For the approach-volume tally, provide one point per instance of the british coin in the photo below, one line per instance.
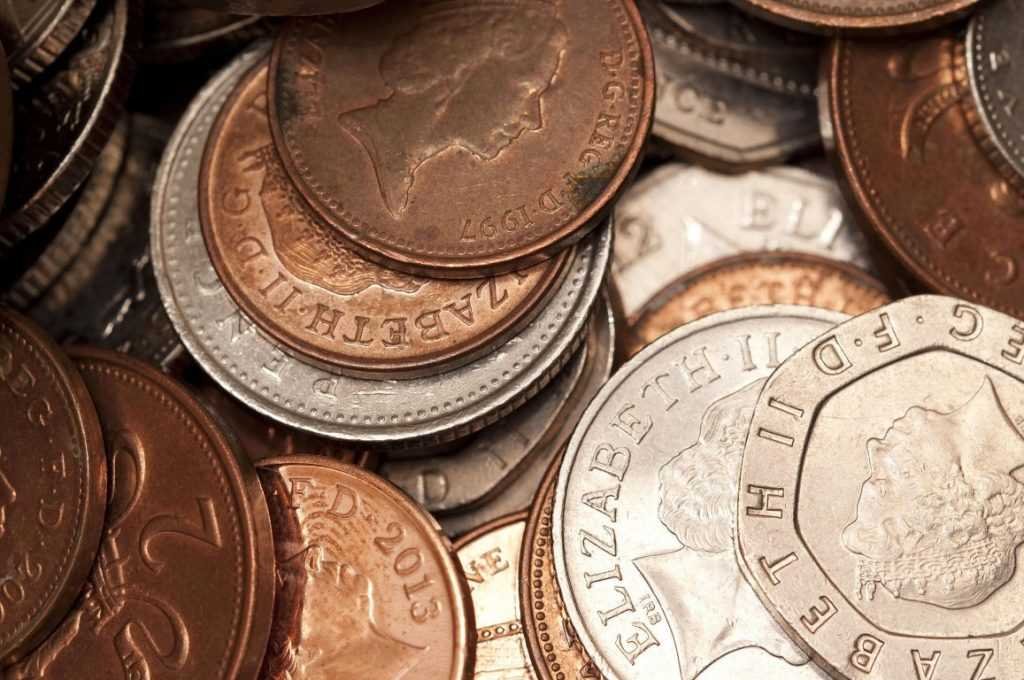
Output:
(36, 32)
(259, 373)
(994, 45)
(884, 16)
(490, 560)
(6, 125)
(367, 586)
(64, 118)
(679, 218)
(778, 278)
(900, 132)
(282, 7)
(460, 163)
(183, 586)
(670, 426)
(300, 282)
(880, 505)
(53, 485)
(175, 32)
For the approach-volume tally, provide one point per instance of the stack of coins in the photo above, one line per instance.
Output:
(520, 339)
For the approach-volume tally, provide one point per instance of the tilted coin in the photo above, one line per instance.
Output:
(175, 32)
(64, 118)
(6, 125)
(53, 485)
(462, 162)
(679, 218)
(36, 32)
(885, 16)
(256, 371)
(880, 513)
(300, 282)
(778, 278)
(183, 586)
(282, 7)
(899, 133)
(366, 584)
(644, 506)
(490, 560)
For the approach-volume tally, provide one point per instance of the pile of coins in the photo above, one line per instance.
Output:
(520, 339)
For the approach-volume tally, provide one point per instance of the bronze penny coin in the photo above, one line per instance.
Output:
(36, 32)
(829, 16)
(282, 7)
(183, 586)
(6, 125)
(53, 485)
(775, 278)
(456, 138)
(64, 118)
(298, 279)
(915, 174)
(366, 584)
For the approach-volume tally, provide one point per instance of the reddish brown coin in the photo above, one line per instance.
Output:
(367, 586)
(282, 7)
(296, 277)
(183, 586)
(456, 138)
(858, 15)
(53, 485)
(915, 173)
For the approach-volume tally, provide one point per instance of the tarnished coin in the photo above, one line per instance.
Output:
(490, 559)
(64, 118)
(175, 32)
(779, 278)
(282, 7)
(53, 485)
(257, 372)
(680, 218)
(36, 32)
(6, 125)
(457, 162)
(899, 133)
(183, 586)
(880, 513)
(644, 506)
(301, 283)
(828, 16)
(366, 584)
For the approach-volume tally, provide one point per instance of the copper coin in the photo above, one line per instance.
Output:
(6, 125)
(183, 587)
(776, 278)
(366, 585)
(459, 138)
(828, 16)
(36, 32)
(915, 173)
(296, 277)
(282, 7)
(64, 119)
(53, 485)
(174, 32)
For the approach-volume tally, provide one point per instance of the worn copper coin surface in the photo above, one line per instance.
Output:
(829, 16)
(173, 31)
(53, 485)
(299, 280)
(64, 118)
(282, 7)
(900, 134)
(778, 278)
(366, 585)
(881, 504)
(456, 138)
(183, 586)
(36, 32)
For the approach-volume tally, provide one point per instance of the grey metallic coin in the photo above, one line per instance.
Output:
(881, 505)
(645, 506)
(995, 57)
(680, 217)
(260, 374)
(35, 32)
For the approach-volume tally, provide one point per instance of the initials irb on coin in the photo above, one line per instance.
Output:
(881, 510)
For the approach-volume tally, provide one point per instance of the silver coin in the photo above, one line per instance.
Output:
(260, 374)
(645, 505)
(679, 218)
(995, 56)
(881, 513)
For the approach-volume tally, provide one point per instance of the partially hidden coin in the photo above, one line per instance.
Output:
(64, 118)
(462, 162)
(281, 7)
(36, 32)
(301, 283)
(879, 16)
(367, 586)
(174, 32)
(53, 485)
(490, 561)
(679, 218)
(183, 586)
(880, 497)
(300, 394)
(6, 125)
(647, 494)
(777, 278)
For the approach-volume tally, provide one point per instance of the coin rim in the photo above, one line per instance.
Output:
(814, 21)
